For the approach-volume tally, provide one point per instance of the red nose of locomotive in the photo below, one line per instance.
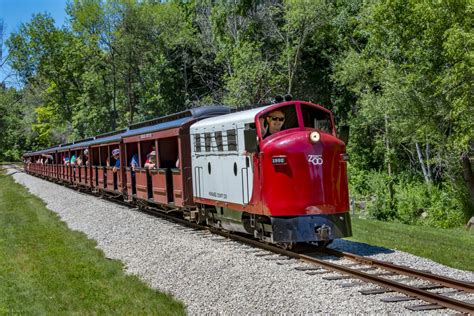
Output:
(304, 175)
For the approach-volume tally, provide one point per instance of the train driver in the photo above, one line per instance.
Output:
(272, 123)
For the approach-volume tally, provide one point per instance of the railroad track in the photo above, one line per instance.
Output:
(306, 254)
(310, 253)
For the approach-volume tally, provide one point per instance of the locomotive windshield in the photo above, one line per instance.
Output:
(279, 119)
(316, 118)
(285, 117)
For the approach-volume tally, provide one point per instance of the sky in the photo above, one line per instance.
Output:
(16, 12)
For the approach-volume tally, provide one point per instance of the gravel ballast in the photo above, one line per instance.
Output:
(213, 275)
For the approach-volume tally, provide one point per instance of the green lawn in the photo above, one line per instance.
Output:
(451, 247)
(47, 269)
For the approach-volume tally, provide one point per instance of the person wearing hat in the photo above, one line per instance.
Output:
(116, 156)
(150, 160)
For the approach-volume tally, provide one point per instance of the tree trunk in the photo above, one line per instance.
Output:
(389, 163)
(422, 163)
(427, 161)
(468, 175)
(387, 147)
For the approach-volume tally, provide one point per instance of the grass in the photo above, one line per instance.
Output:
(451, 247)
(45, 268)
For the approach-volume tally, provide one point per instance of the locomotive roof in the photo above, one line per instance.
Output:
(176, 120)
(243, 116)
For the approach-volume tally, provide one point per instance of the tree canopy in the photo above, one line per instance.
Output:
(398, 72)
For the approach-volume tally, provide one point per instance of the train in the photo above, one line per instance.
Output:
(277, 172)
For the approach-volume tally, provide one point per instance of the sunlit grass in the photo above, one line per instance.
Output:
(45, 268)
(451, 247)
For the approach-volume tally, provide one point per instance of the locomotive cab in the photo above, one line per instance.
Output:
(303, 174)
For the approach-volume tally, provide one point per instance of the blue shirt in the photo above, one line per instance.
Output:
(134, 161)
(117, 163)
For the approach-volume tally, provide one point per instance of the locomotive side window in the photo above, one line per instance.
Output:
(207, 141)
(220, 145)
(231, 140)
(316, 118)
(197, 143)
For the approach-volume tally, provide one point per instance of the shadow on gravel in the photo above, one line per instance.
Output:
(358, 248)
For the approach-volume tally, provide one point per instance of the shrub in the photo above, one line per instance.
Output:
(380, 205)
(447, 209)
(412, 198)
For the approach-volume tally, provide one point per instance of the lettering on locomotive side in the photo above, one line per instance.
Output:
(316, 160)
(218, 195)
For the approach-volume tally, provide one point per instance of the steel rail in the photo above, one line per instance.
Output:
(415, 292)
(467, 287)
(418, 293)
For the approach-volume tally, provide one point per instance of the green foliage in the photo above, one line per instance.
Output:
(446, 209)
(413, 201)
(398, 72)
(378, 203)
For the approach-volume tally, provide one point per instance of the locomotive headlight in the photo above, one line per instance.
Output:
(314, 137)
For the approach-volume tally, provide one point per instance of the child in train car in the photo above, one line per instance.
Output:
(151, 160)
(66, 160)
(116, 156)
(72, 161)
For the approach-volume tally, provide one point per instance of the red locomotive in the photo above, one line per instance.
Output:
(277, 172)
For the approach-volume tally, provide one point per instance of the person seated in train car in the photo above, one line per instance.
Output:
(72, 161)
(272, 122)
(48, 159)
(85, 159)
(66, 160)
(134, 162)
(150, 162)
(116, 156)
(79, 160)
